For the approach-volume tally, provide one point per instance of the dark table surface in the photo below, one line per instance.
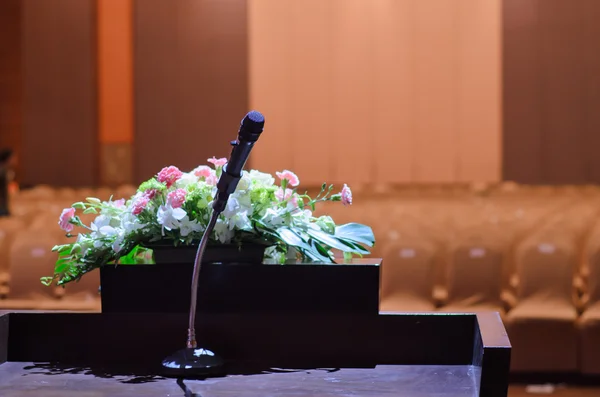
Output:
(19, 379)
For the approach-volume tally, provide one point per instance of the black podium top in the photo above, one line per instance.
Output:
(416, 354)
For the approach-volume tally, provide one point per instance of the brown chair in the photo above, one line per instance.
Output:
(408, 276)
(474, 278)
(541, 326)
(589, 322)
(30, 259)
(9, 227)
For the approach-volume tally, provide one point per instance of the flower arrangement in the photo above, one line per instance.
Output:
(175, 206)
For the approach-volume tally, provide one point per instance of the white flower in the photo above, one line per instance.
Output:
(118, 243)
(222, 232)
(244, 182)
(240, 221)
(130, 223)
(232, 207)
(84, 243)
(168, 217)
(302, 216)
(273, 217)
(186, 226)
(102, 228)
(186, 180)
(261, 179)
(244, 202)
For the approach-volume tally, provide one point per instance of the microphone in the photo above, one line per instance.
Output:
(193, 360)
(250, 129)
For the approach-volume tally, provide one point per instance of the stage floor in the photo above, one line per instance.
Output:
(18, 379)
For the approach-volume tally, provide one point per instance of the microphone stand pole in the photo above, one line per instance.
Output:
(192, 361)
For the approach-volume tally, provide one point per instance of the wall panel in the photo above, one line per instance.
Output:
(393, 91)
(59, 138)
(190, 71)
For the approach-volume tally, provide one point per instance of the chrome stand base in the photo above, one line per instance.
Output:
(192, 363)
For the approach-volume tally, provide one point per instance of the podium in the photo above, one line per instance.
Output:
(412, 354)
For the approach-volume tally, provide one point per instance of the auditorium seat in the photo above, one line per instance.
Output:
(589, 322)
(408, 277)
(541, 326)
(9, 227)
(30, 259)
(474, 277)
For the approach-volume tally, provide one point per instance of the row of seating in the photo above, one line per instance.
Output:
(531, 254)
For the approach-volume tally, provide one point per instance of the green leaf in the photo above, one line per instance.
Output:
(356, 248)
(47, 281)
(90, 210)
(328, 239)
(61, 265)
(76, 248)
(291, 237)
(356, 232)
(321, 251)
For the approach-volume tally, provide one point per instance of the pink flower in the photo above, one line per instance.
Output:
(218, 162)
(203, 171)
(346, 195)
(212, 180)
(65, 219)
(176, 198)
(140, 204)
(288, 195)
(150, 193)
(169, 175)
(119, 203)
(290, 176)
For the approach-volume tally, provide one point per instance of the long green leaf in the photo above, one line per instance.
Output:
(329, 240)
(356, 232)
(355, 247)
(290, 237)
(321, 251)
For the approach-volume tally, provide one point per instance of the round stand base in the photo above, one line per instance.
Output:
(192, 363)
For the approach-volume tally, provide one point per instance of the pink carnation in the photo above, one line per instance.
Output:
(346, 195)
(290, 176)
(150, 193)
(176, 198)
(65, 219)
(169, 175)
(203, 171)
(218, 162)
(212, 180)
(140, 204)
(287, 196)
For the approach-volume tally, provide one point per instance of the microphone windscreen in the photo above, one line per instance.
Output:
(256, 116)
(252, 125)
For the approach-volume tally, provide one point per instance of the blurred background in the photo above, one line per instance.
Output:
(468, 130)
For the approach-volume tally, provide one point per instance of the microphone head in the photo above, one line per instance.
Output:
(252, 126)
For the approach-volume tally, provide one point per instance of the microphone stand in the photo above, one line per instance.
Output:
(193, 361)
